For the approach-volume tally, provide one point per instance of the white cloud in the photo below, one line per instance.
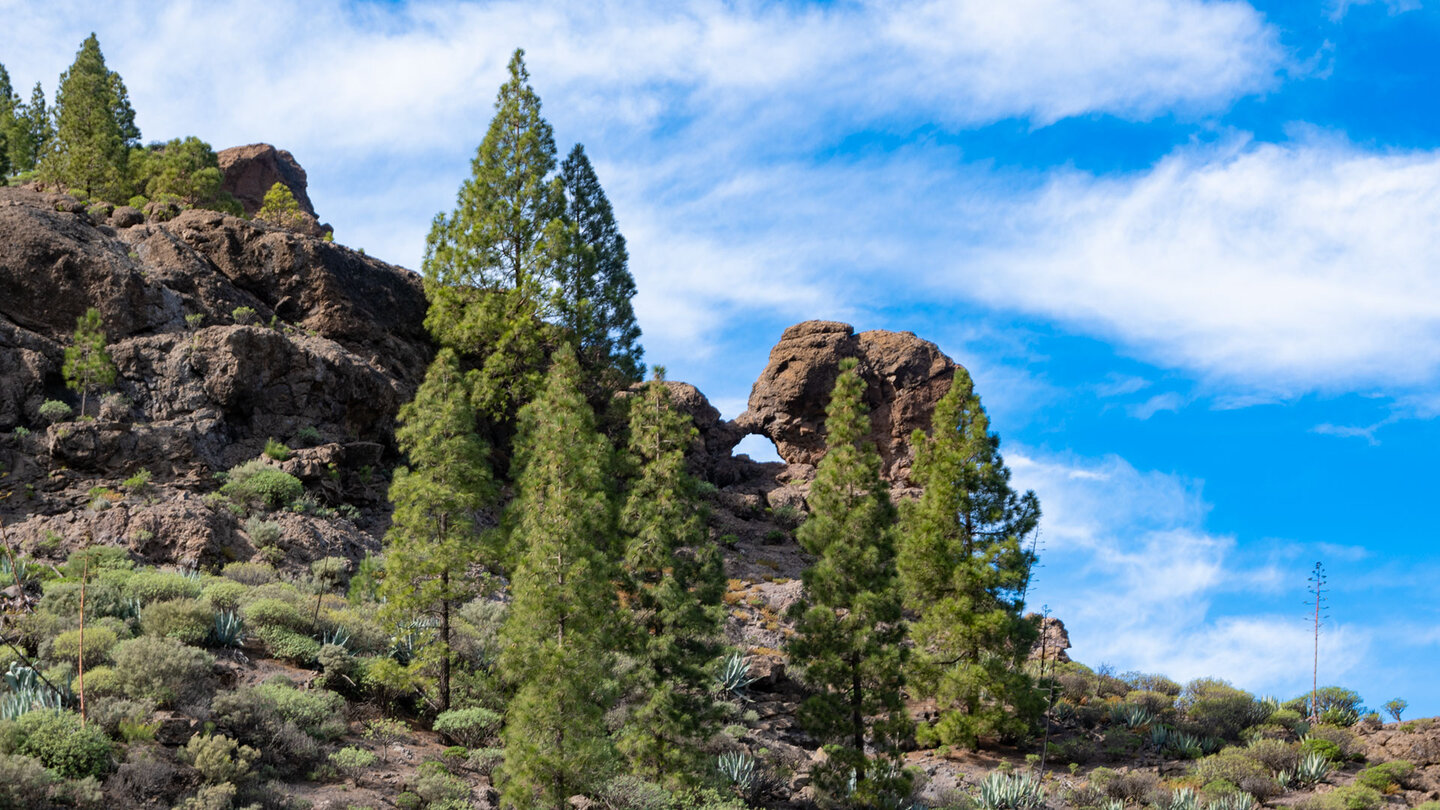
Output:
(1278, 268)
(1141, 584)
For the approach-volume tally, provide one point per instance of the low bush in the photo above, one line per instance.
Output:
(186, 620)
(439, 788)
(470, 727)
(319, 713)
(249, 573)
(95, 560)
(254, 718)
(1350, 797)
(53, 410)
(24, 782)
(276, 613)
(276, 450)
(1235, 766)
(1339, 744)
(108, 712)
(263, 532)
(1131, 787)
(57, 739)
(1276, 755)
(99, 641)
(256, 484)
(218, 758)
(288, 645)
(1386, 777)
(1214, 708)
(162, 669)
(158, 586)
(100, 681)
(223, 594)
(63, 599)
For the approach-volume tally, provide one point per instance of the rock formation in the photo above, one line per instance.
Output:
(905, 377)
(250, 171)
(224, 333)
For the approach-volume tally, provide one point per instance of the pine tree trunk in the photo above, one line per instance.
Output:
(445, 640)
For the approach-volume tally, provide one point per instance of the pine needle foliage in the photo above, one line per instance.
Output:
(965, 569)
(88, 366)
(489, 264)
(557, 635)
(593, 285)
(94, 129)
(850, 632)
(674, 582)
(434, 540)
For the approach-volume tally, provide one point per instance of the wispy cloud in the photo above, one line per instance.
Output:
(1280, 269)
(1142, 584)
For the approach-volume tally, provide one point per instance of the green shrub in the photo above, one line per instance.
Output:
(24, 782)
(57, 739)
(1214, 708)
(63, 599)
(212, 797)
(223, 594)
(263, 532)
(1289, 718)
(108, 712)
(98, 643)
(254, 718)
(138, 482)
(1344, 741)
(99, 682)
(157, 586)
(257, 484)
(330, 572)
(162, 669)
(218, 758)
(1349, 797)
(470, 727)
(271, 612)
(1235, 766)
(276, 450)
(1156, 703)
(187, 620)
(352, 760)
(319, 713)
(53, 410)
(288, 645)
(1276, 755)
(1324, 748)
(628, 792)
(485, 760)
(441, 789)
(249, 573)
(1386, 777)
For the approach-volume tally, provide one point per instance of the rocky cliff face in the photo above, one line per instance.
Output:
(252, 170)
(224, 332)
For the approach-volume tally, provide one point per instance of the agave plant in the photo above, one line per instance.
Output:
(734, 676)
(340, 637)
(26, 692)
(1184, 799)
(1233, 801)
(1185, 745)
(1131, 716)
(1014, 791)
(1312, 769)
(738, 769)
(229, 629)
(412, 637)
(1160, 736)
(11, 572)
(1112, 804)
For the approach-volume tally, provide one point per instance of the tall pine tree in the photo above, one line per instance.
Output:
(850, 632)
(94, 129)
(434, 541)
(593, 284)
(674, 582)
(9, 103)
(33, 132)
(489, 265)
(965, 567)
(556, 637)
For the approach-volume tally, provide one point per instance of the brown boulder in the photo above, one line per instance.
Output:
(905, 377)
(251, 170)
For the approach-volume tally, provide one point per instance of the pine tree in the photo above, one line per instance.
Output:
(434, 541)
(555, 638)
(88, 366)
(34, 132)
(849, 629)
(674, 582)
(281, 208)
(593, 283)
(188, 171)
(964, 568)
(490, 263)
(94, 129)
(9, 103)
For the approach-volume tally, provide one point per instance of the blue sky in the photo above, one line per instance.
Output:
(1188, 249)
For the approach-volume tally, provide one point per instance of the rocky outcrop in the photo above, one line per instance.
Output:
(250, 171)
(1053, 641)
(905, 377)
(224, 333)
